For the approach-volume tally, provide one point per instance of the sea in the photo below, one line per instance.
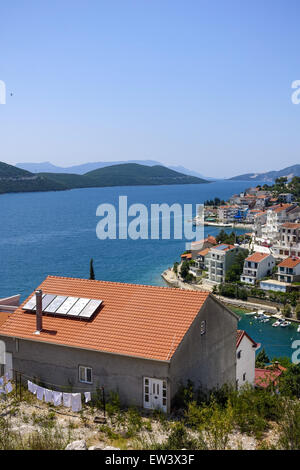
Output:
(54, 233)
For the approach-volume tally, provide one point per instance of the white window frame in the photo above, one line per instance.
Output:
(203, 327)
(85, 369)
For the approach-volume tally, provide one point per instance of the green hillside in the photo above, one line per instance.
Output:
(133, 174)
(14, 179)
(10, 171)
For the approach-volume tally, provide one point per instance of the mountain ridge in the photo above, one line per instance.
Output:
(269, 176)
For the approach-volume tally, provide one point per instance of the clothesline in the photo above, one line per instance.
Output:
(69, 400)
(5, 384)
(77, 389)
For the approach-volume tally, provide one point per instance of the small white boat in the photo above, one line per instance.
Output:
(250, 313)
(284, 324)
(277, 323)
(298, 329)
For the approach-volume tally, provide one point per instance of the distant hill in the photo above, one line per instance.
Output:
(48, 167)
(14, 179)
(269, 176)
(126, 174)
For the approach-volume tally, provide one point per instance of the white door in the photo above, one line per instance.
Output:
(8, 368)
(155, 394)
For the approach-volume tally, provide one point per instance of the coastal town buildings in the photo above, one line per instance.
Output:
(288, 243)
(257, 266)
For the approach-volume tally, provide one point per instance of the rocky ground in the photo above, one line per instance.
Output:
(80, 431)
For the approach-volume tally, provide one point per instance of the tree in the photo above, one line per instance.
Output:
(261, 359)
(184, 270)
(175, 267)
(92, 273)
(287, 311)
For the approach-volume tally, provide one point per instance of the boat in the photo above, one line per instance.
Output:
(298, 329)
(277, 323)
(250, 313)
(284, 324)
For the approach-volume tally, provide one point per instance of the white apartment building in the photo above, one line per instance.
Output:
(218, 261)
(289, 270)
(257, 266)
(289, 240)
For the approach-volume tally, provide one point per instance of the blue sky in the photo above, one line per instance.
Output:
(204, 84)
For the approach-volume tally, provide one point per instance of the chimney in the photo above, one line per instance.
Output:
(39, 311)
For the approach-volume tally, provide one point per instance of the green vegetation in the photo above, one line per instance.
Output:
(234, 272)
(262, 359)
(215, 202)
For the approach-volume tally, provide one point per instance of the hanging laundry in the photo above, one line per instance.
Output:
(8, 387)
(87, 396)
(29, 386)
(40, 392)
(34, 388)
(48, 396)
(1, 381)
(57, 398)
(67, 399)
(76, 402)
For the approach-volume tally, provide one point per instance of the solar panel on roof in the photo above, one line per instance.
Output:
(30, 305)
(67, 305)
(55, 304)
(90, 309)
(78, 307)
(221, 247)
(47, 299)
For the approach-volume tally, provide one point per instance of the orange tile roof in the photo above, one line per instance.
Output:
(135, 320)
(280, 207)
(186, 255)
(265, 377)
(290, 262)
(257, 257)
(203, 252)
(290, 225)
(3, 317)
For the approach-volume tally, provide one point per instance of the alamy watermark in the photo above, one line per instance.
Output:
(160, 221)
(2, 92)
(296, 94)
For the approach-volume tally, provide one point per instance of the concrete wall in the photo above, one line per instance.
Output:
(59, 365)
(208, 360)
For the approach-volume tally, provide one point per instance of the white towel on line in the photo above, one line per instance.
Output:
(29, 385)
(76, 402)
(48, 396)
(87, 396)
(67, 399)
(40, 392)
(33, 388)
(57, 397)
(1, 381)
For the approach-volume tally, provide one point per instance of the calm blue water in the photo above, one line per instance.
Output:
(55, 233)
(276, 341)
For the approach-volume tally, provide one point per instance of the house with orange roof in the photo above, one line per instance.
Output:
(256, 267)
(141, 341)
(246, 349)
(269, 377)
(289, 270)
(8, 305)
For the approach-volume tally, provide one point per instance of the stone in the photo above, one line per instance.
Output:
(97, 447)
(77, 445)
(111, 448)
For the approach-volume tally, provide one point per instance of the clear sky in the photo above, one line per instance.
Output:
(203, 84)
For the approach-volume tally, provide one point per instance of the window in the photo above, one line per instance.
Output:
(239, 354)
(203, 327)
(85, 374)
